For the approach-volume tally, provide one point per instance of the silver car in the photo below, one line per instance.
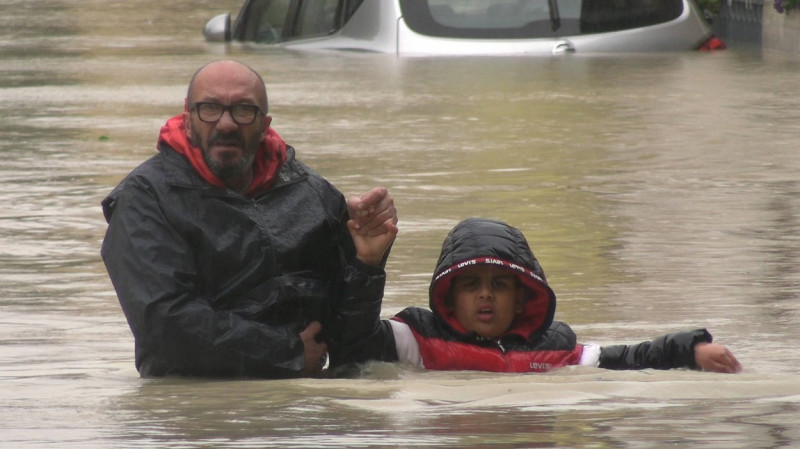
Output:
(468, 27)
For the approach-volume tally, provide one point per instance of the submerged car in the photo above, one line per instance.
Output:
(468, 27)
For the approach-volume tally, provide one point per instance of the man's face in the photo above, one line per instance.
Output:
(228, 147)
(486, 299)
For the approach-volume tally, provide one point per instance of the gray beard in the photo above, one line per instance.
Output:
(229, 173)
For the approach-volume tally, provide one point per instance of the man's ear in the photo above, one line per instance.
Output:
(187, 124)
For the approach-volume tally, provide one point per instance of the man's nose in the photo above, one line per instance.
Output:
(226, 121)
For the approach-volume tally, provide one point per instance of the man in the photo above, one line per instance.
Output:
(229, 256)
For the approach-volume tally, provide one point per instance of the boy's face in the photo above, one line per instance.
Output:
(486, 299)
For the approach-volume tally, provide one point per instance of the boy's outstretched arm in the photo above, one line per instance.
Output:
(692, 349)
(716, 358)
(371, 247)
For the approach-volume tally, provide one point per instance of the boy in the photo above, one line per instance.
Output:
(492, 310)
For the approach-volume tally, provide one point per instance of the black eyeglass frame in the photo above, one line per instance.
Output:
(231, 109)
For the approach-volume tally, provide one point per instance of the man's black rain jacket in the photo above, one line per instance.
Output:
(214, 283)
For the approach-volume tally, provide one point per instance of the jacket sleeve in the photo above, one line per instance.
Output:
(666, 352)
(362, 335)
(160, 290)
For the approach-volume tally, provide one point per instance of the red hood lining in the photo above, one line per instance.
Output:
(537, 306)
(270, 156)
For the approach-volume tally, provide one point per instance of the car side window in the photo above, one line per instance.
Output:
(261, 21)
(533, 18)
(599, 16)
(316, 18)
(271, 21)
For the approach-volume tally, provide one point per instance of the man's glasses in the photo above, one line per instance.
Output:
(242, 114)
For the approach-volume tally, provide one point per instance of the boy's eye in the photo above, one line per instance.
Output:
(466, 282)
(470, 283)
(502, 283)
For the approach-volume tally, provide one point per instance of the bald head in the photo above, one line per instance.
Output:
(218, 76)
(229, 146)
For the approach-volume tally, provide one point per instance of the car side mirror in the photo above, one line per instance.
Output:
(218, 29)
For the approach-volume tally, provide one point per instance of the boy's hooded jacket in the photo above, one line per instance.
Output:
(535, 342)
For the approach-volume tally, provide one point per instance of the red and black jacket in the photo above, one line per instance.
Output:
(533, 343)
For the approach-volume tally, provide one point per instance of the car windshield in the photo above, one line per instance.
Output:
(533, 18)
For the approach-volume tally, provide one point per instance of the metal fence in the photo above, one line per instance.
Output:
(739, 22)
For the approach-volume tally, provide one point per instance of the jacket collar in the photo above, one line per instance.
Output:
(179, 172)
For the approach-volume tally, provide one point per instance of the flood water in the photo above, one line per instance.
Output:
(660, 192)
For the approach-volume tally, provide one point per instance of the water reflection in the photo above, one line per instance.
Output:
(574, 408)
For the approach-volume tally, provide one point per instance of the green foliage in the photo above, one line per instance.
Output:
(785, 5)
(709, 7)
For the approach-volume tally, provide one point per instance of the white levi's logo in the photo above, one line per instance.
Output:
(540, 366)
(516, 267)
(466, 263)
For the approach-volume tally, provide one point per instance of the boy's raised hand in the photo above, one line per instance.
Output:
(716, 358)
(370, 247)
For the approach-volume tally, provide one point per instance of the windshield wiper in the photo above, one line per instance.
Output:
(555, 18)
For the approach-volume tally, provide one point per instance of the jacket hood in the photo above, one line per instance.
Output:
(270, 156)
(483, 241)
